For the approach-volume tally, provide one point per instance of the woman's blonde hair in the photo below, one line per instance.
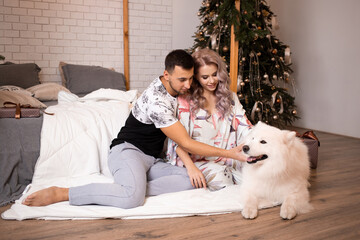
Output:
(223, 94)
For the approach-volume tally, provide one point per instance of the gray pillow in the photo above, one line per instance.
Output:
(83, 79)
(22, 75)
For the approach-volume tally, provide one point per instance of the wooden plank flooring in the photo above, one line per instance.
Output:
(335, 195)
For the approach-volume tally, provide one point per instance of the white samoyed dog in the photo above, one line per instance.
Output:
(278, 172)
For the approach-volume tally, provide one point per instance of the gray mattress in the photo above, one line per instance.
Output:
(19, 151)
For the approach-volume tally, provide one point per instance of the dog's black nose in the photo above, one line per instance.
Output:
(246, 148)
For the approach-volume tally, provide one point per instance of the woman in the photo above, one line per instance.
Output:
(211, 114)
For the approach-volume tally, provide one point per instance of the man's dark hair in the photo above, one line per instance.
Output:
(179, 58)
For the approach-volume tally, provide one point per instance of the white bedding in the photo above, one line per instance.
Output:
(74, 147)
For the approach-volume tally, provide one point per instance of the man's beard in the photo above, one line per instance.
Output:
(177, 92)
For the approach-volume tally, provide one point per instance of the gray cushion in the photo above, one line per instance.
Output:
(82, 79)
(22, 75)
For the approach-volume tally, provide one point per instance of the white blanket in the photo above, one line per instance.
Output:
(74, 148)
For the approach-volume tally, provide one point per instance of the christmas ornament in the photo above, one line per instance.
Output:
(265, 13)
(257, 108)
(225, 48)
(287, 56)
(294, 112)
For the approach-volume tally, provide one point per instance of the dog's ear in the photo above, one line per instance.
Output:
(289, 136)
(260, 123)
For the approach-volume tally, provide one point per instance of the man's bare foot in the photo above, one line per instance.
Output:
(47, 196)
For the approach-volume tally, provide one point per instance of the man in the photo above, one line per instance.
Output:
(134, 155)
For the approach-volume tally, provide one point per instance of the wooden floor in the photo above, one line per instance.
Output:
(335, 195)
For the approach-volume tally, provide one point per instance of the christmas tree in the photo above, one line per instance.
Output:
(264, 72)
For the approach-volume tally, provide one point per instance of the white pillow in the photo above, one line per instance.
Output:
(47, 91)
(12, 88)
(22, 99)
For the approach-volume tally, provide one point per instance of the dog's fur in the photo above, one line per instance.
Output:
(280, 173)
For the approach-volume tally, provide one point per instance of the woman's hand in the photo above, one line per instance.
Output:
(197, 178)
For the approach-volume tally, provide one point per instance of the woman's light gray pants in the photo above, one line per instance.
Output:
(135, 175)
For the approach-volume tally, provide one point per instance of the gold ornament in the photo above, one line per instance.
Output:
(240, 95)
(242, 84)
(294, 112)
(247, 80)
(275, 117)
(225, 48)
(274, 51)
(257, 109)
(258, 54)
(265, 13)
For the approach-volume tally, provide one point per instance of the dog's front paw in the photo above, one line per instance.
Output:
(287, 212)
(249, 212)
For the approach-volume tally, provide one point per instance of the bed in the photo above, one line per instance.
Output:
(20, 138)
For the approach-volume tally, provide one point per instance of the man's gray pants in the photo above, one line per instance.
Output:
(135, 175)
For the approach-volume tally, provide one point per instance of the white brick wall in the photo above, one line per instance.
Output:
(87, 32)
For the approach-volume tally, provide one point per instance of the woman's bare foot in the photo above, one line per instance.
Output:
(47, 196)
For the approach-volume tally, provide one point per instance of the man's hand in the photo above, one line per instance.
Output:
(237, 153)
(196, 177)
